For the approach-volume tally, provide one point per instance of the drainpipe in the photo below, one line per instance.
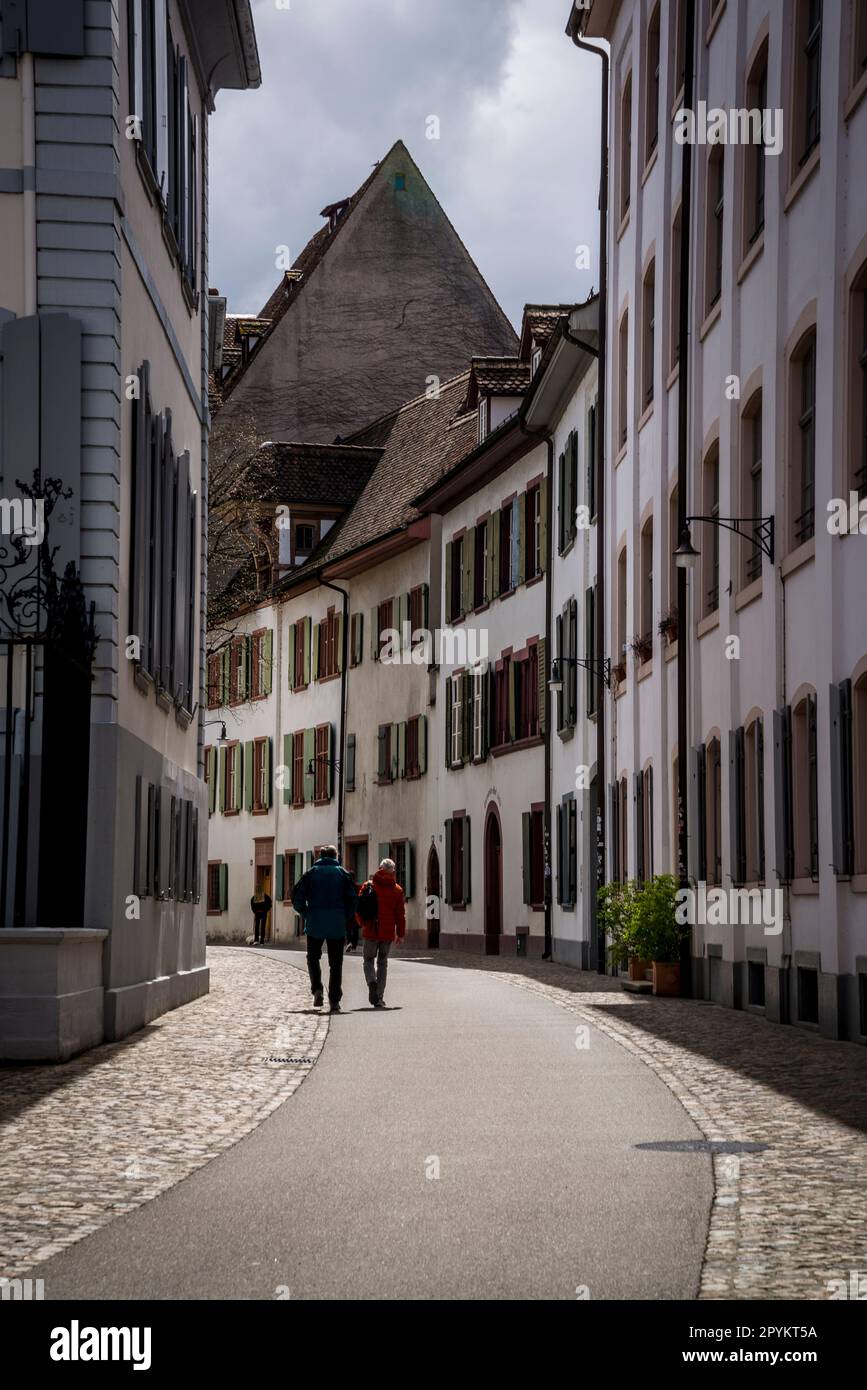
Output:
(598, 948)
(682, 486)
(341, 744)
(28, 162)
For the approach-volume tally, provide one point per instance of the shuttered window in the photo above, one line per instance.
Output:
(457, 861)
(533, 841)
(350, 763)
(783, 794)
(842, 770)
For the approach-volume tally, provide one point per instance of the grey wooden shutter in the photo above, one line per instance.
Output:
(192, 591)
(572, 848)
(783, 793)
(614, 832)
(648, 813)
(527, 854)
(561, 852)
(467, 860)
(840, 705)
(760, 796)
(382, 761)
(813, 760)
(697, 813)
(182, 571)
(224, 887)
(561, 503)
(639, 827)
(422, 744)
(141, 886)
(737, 827)
(279, 879)
(448, 894)
(350, 762)
(140, 556)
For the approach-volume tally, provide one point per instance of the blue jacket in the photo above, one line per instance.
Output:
(326, 897)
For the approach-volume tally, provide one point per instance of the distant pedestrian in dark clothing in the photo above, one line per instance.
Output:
(261, 906)
(325, 897)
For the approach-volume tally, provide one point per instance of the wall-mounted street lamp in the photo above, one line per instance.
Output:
(322, 758)
(555, 683)
(760, 534)
(224, 737)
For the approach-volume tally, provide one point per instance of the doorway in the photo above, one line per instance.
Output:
(263, 879)
(493, 883)
(433, 892)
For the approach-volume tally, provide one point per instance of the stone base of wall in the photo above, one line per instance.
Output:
(475, 943)
(131, 1007)
(726, 982)
(574, 953)
(51, 993)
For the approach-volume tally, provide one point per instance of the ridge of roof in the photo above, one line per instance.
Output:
(449, 385)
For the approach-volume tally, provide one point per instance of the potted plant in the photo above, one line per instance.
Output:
(668, 624)
(642, 647)
(657, 934)
(617, 918)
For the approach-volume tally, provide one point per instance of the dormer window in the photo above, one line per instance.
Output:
(304, 537)
(535, 360)
(484, 417)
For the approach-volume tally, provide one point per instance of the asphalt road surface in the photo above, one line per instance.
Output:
(457, 1145)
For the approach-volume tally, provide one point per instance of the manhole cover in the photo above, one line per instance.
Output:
(293, 1061)
(703, 1146)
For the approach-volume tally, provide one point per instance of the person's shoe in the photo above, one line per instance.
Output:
(380, 1004)
(372, 995)
(318, 999)
(336, 1009)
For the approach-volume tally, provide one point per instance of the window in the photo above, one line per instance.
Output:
(238, 670)
(163, 553)
(859, 774)
(533, 530)
(754, 156)
(649, 335)
(455, 575)
(623, 380)
(805, 798)
(304, 539)
(508, 545)
(710, 547)
(330, 638)
(679, 47)
(357, 861)
(644, 825)
(651, 115)
(350, 762)
(480, 571)
(621, 831)
(620, 632)
(457, 861)
(400, 183)
(533, 828)
(484, 417)
(416, 734)
(568, 493)
(300, 640)
(714, 223)
(807, 92)
(674, 330)
(590, 647)
(646, 633)
(261, 774)
(567, 851)
(566, 626)
(402, 853)
(858, 369)
(753, 783)
(384, 768)
(480, 690)
(232, 795)
(756, 982)
(625, 146)
(218, 886)
(526, 680)
(261, 644)
(215, 680)
(713, 814)
(808, 995)
(803, 463)
(356, 639)
(298, 768)
(673, 540)
(591, 461)
(418, 606)
(751, 487)
(322, 765)
(385, 623)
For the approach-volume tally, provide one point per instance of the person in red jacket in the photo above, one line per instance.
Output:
(389, 925)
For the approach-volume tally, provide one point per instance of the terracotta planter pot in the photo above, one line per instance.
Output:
(638, 968)
(666, 977)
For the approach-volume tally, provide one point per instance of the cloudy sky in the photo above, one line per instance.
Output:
(515, 167)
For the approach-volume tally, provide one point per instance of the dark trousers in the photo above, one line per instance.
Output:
(352, 930)
(335, 965)
(259, 926)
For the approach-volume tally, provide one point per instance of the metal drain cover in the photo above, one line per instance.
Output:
(703, 1146)
(293, 1061)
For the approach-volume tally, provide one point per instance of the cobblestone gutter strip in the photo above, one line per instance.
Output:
(786, 1221)
(96, 1137)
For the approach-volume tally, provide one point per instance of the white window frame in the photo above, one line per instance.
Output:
(457, 749)
(478, 693)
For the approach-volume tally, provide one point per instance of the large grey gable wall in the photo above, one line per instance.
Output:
(395, 299)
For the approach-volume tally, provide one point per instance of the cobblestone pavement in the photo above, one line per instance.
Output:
(786, 1220)
(86, 1141)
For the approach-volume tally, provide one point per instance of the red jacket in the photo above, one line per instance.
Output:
(391, 920)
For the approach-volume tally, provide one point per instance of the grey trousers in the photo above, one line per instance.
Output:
(375, 957)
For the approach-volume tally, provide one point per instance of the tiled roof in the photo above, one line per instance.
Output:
(539, 323)
(329, 474)
(421, 441)
(500, 376)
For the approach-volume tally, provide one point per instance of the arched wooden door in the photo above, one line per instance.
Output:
(433, 891)
(493, 884)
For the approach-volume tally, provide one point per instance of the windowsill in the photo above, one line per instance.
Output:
(324, 680)
(801, 179)
(750, 257)
(714, 23)
(647, 415)
(672, 376)
(164, 699)
(528, 583)
(457, 907)
(670, 650)
(805, 887)
(322, 801)
(644, 670)
(298, 805)
(482, 607)
(858, 883)
(622, 687)
(230, 814)
(144, 682)
(215, 912)
(519, 744)
(855, 97)
(706, 625)
(505, 593)
(260, 811)
(622, 454)
(624, 223)
(710, 319)
(566, 733)
(567, 548)
(296, 689)
(651, 160)
(801, 555)
(748, 594)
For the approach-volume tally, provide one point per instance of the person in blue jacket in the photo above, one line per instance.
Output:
(325, 897)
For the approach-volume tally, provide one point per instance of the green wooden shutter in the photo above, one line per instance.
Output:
(223, 899)
(314, 663)
(469, 568)
(449, 609)
(308, 650)
(248, 775)
(212, 779)
(521, 521)
(494, 556)
(527, 862)
(222, 796)
(269, 776)
(541, 676)
(422, 743)
(448, 864)
(309, 756)
(543, 525)
(340, 642)
(381, 769)
(225, 675)
(279, 890)
(562, 888)
(374, 633)
(268, 659)
(291, 656)
(289, 765)
(468, 877)
(330, 761)
(401, 749)
(410, 869)
(395, 752)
